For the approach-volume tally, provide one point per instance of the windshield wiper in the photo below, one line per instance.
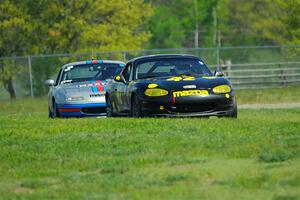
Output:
(148, 76)
(186, 74)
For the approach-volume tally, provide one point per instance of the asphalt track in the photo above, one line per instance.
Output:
(269, 106)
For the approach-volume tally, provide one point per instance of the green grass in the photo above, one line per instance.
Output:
(273, 95)
(3, 93)
(256, 156)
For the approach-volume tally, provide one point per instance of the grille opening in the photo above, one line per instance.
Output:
(93, 110)
(186, 108)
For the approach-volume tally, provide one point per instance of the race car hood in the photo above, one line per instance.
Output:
(88, 89)
(186, 82)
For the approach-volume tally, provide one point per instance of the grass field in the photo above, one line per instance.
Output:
(256, 156)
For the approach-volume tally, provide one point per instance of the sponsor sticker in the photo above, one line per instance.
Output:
(185, 93)
(97, 95)
(97, 99)
(209, 77)
(68, 68)
(189, 86)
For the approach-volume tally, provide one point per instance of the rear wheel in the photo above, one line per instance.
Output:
(109, 107)
(55, 113)
(136, 107)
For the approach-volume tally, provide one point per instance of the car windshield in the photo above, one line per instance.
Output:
(171, 67)
(90, 72)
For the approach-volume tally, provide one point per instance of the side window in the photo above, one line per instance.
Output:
(58, 76)
(127, 72)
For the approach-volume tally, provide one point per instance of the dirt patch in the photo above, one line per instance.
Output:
(22, 190)
(269, 106)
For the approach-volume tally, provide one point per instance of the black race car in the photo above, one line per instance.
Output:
(170, 85)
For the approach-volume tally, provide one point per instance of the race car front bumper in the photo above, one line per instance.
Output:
(82, 110)
(208, 105)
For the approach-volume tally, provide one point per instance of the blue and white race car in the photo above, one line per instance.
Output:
(79, 89)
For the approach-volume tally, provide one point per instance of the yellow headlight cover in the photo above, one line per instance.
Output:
(156, 92)
(221, 89)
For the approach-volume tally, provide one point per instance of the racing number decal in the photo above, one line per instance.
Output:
(177, 78)
(174, 79)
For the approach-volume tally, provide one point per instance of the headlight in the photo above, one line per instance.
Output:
(221, 89)
(75, 99)
(156, 92)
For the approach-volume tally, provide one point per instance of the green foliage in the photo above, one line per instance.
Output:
(87, 26)
(174, 22)
(169, 33)
(291, 20)
(278, 156)
(240, 22)
(14, 29)
(259, 22)
(60, 26)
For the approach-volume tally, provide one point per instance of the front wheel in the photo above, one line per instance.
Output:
(55, 113)
(136, 110)
(234, 112)
(109, 108)
(50, 114)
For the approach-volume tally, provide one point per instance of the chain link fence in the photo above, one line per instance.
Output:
(247, 67)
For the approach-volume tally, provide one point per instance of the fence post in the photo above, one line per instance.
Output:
(282, 77)
(124, 56)
(30, 76)
(218, 58)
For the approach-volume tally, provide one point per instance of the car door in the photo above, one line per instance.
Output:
(52, 89)
(121, 99)
(126, 95)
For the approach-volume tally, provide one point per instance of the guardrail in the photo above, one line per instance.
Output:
(267, 75)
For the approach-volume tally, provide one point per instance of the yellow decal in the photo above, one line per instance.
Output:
(161, 107)
(189, 78)
(227, 96)
(185, 93)
(176, 78)
(118, 78)
(186, 78)
(152, 85)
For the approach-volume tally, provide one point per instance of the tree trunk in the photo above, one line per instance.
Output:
(8, 85)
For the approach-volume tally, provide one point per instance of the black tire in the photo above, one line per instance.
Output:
(136, 110)
(50, 115)
(109, 107)
(55, 113)
(234, 112)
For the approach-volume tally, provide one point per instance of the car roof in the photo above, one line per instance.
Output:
(85, 62)
(164, 56)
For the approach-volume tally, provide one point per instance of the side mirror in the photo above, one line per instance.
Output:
(119, 78)
(219, 74)
(49, 82)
